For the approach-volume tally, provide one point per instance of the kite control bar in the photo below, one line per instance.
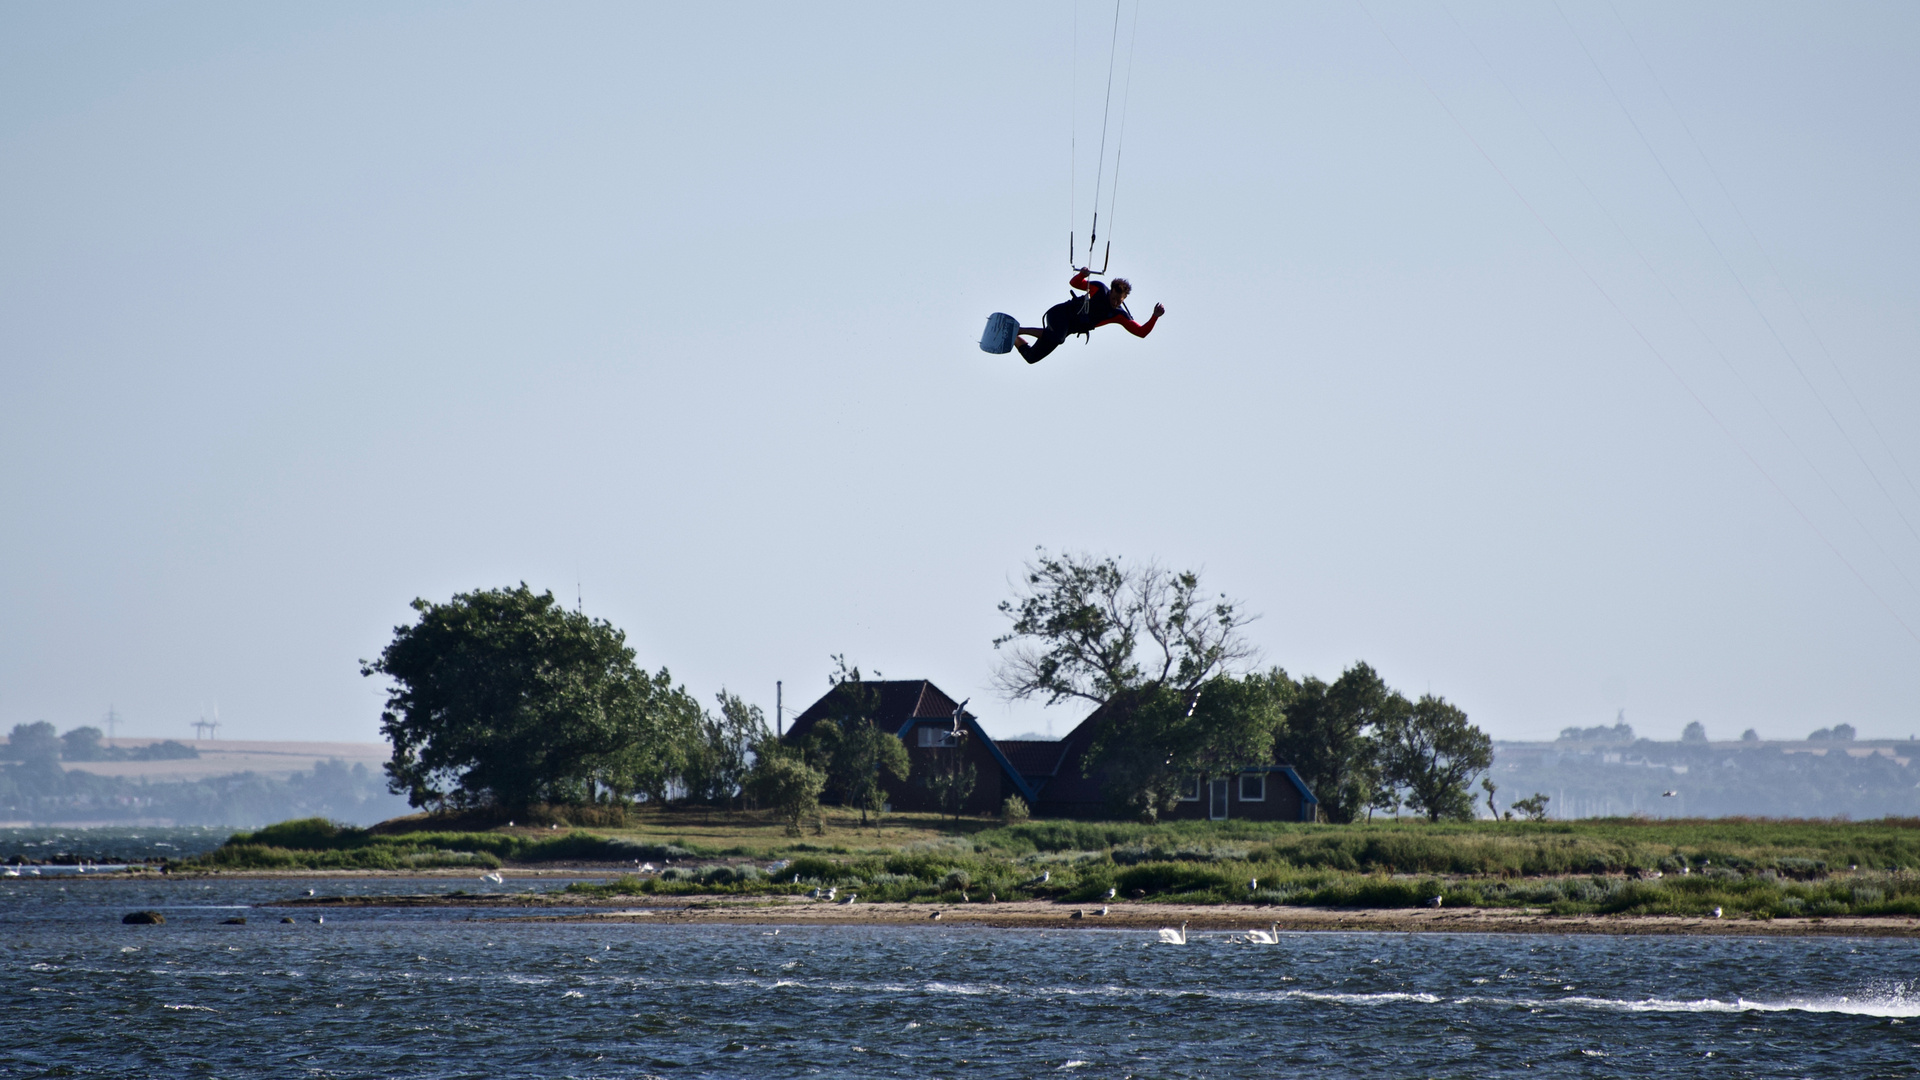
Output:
(1104, 256)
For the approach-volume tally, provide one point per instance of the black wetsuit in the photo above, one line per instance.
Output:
(1079, 315)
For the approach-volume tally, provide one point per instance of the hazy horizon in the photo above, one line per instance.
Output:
(311, 311)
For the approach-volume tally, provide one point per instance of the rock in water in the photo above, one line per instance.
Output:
(143, 918)
(238, 920)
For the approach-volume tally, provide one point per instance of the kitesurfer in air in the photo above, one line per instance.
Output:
(1101, 305)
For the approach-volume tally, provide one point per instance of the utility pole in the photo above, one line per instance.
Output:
(112, 721)
(778, 709)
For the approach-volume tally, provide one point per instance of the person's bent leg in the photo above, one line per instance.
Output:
(1033, 354)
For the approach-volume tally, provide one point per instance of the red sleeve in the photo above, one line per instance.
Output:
(1134, 328)
(1079, 281)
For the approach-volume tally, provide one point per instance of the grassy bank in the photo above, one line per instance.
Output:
(1752, 868)
(317, 844)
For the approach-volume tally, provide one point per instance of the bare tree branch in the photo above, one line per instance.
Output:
(1081, 624)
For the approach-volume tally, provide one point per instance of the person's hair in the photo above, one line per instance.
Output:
(1120, 287)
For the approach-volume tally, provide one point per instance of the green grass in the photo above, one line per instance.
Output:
(318, 844)
(1755, 868)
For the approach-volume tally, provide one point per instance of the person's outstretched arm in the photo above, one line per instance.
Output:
(1140, 329)
(1079, 281)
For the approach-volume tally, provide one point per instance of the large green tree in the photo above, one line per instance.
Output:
(1087, 627)
(1156, 742)
(1142, 642)
(1431, 752)
(1330, 737)
(503, 697)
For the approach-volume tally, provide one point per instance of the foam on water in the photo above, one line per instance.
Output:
(428, 994)
(1893, 1003)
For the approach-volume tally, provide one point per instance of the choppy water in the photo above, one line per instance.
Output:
(458, 993)
(113, 844)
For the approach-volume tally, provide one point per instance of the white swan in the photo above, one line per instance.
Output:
(494, 878)
(1264, 937)
(1174, 937)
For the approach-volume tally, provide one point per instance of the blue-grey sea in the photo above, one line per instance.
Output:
(480, 993)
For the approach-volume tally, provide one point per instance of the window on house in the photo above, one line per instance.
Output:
(1253, 787)
(1190, 789)
(933, 735)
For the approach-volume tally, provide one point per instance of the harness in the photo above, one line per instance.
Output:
(1082, 318)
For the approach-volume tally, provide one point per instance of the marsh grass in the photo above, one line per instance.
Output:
(1752, 868)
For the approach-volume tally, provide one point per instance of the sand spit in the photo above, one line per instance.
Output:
(1209, 918)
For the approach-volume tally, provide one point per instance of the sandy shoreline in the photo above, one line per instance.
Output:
(1030, 914)
(1023, 914)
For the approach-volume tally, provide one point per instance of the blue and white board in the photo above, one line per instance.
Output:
(999, 335)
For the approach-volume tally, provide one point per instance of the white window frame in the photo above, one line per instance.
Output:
(936, 737)
(1244, 777)
(1191, 794)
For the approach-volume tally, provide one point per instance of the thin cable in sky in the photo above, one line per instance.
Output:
(1885, 446)
(1752, 301)
(1635, 327)
(1684, 308)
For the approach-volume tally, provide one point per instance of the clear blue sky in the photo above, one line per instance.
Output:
(308, 310)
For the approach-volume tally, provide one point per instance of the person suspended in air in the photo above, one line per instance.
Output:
(1099, 305)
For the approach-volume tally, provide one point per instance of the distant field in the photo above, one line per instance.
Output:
(223, 757)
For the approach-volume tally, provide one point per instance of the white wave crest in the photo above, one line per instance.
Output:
(1896, 1002)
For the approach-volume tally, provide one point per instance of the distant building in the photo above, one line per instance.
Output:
(1047, 773)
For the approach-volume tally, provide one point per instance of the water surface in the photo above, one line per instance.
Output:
(474, 992)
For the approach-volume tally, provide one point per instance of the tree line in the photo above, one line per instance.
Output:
(504, 698)
(1167, 662)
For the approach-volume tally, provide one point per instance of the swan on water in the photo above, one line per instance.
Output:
(1174, 937)
(495, 878)
(1264, 937)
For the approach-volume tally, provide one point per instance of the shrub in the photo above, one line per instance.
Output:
(1014, 811)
